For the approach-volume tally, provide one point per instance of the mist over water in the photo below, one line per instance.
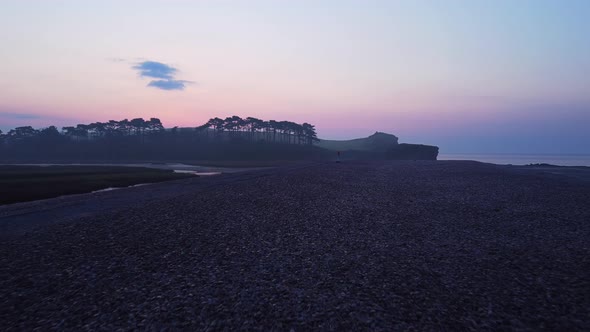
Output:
(521, 159)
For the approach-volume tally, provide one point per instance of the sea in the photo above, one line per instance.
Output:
(521, 159)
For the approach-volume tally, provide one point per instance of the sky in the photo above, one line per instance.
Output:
(471, 76)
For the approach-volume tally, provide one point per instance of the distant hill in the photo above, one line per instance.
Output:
(376, 142)
(380, 146)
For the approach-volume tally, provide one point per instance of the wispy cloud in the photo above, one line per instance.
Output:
(19, 116)
(156, 70)
(165, 74)
(116, 59)
(168, 84)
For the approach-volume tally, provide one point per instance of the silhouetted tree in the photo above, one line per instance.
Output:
(20, 133)
(217, 124)
(155, 125)
(309, 133)
(49, 132)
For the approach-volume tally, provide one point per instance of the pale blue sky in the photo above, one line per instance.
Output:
(469, 76)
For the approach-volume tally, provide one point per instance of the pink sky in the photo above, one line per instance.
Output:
(424, 71)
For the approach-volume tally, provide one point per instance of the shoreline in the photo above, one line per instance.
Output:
(519, 159)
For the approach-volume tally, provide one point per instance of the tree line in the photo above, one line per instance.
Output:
(256, 129)
(230, 128)
(139, 139)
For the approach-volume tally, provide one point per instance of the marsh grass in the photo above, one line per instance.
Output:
(28, 183)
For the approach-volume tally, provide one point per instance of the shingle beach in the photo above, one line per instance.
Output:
(336, 246)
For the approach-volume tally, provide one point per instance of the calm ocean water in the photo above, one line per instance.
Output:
(521, 159)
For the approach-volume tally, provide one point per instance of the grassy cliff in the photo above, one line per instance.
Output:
(380, 146)
(376, 142)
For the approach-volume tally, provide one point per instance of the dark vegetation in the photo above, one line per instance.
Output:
(232, 139)
(28, 183)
